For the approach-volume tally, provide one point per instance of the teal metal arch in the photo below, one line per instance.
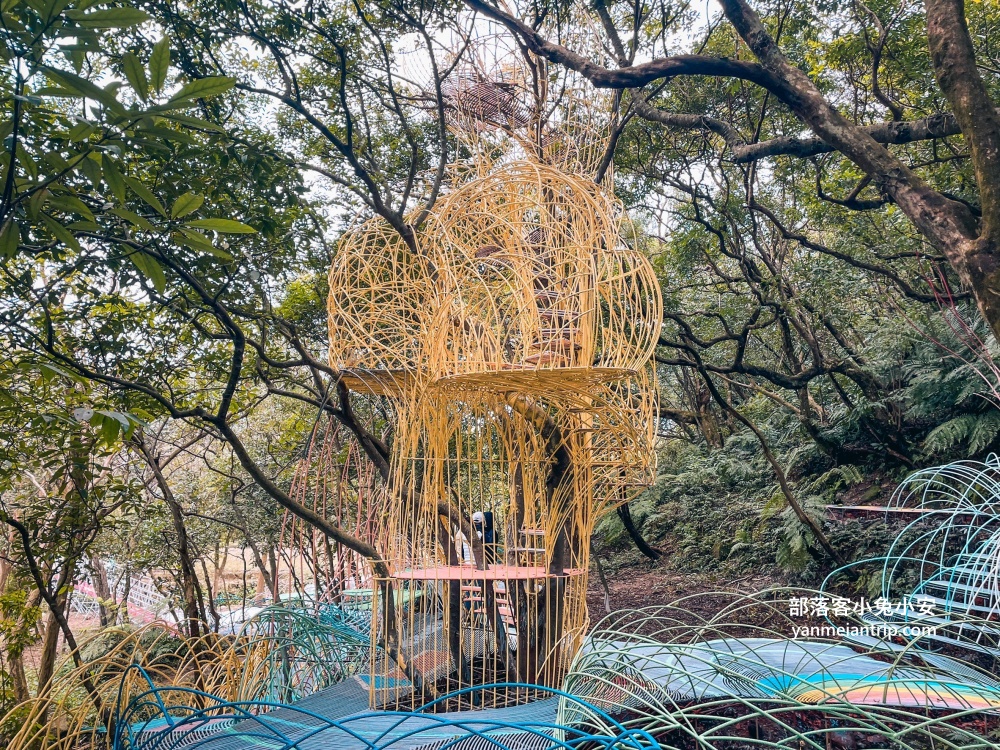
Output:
(291, 651)
(944, 566)
(736, 679)
(176, 718)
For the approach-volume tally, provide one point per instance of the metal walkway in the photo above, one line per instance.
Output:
(338, 719)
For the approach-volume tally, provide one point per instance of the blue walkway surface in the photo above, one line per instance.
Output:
(338, 719)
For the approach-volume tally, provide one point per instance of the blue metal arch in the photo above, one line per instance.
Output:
(156, 720)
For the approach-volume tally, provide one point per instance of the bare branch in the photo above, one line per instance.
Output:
(940, 125)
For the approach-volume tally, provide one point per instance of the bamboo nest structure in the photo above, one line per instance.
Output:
(504, 105)
(513, 340)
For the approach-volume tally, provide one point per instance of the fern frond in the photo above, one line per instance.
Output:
(949, 434)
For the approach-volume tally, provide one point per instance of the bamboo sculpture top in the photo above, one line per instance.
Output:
(519, 275)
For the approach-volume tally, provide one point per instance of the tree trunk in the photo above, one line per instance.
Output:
(101, 589)
(707, 422)
(272, 557)
(216, 618)
(19, 681)
(954, 60)
(126, 593)
(949, 225)
(453, 596)
(47, 660)
(626, 518)
(189, 579)
(15, 661)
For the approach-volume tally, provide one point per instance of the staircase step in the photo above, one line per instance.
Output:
(546, 358)
(563, 316)
(487, 251)
(559, 345)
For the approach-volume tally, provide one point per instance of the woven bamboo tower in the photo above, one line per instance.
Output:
(514, 345)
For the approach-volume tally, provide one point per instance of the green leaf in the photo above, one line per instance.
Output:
(48, 372)
(193, 122)
(81, 131)
(773, 506)
(110, 18)
(82, 87)
(984, 432)
(60, 232)
(114, 178)
(118, 416)
(166, 134)
(78, 56)
(26, 161)
(186, 204)
(144, 192)
(54, 7)
(204, 88)
(948, 434)
(92, 168)
(10, 236)
(83, 226)
(136, 75)
(159, 63)
(150, 268)
(132, 218)
(109, 430)
(199, 242)
(56, 91)
(71, 204)
(35, 203)
(55, 161)
(224, 226)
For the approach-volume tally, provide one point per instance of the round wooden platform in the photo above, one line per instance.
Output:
(470, 573)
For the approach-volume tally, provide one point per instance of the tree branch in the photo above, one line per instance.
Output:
(638, 75)
(940, 125)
